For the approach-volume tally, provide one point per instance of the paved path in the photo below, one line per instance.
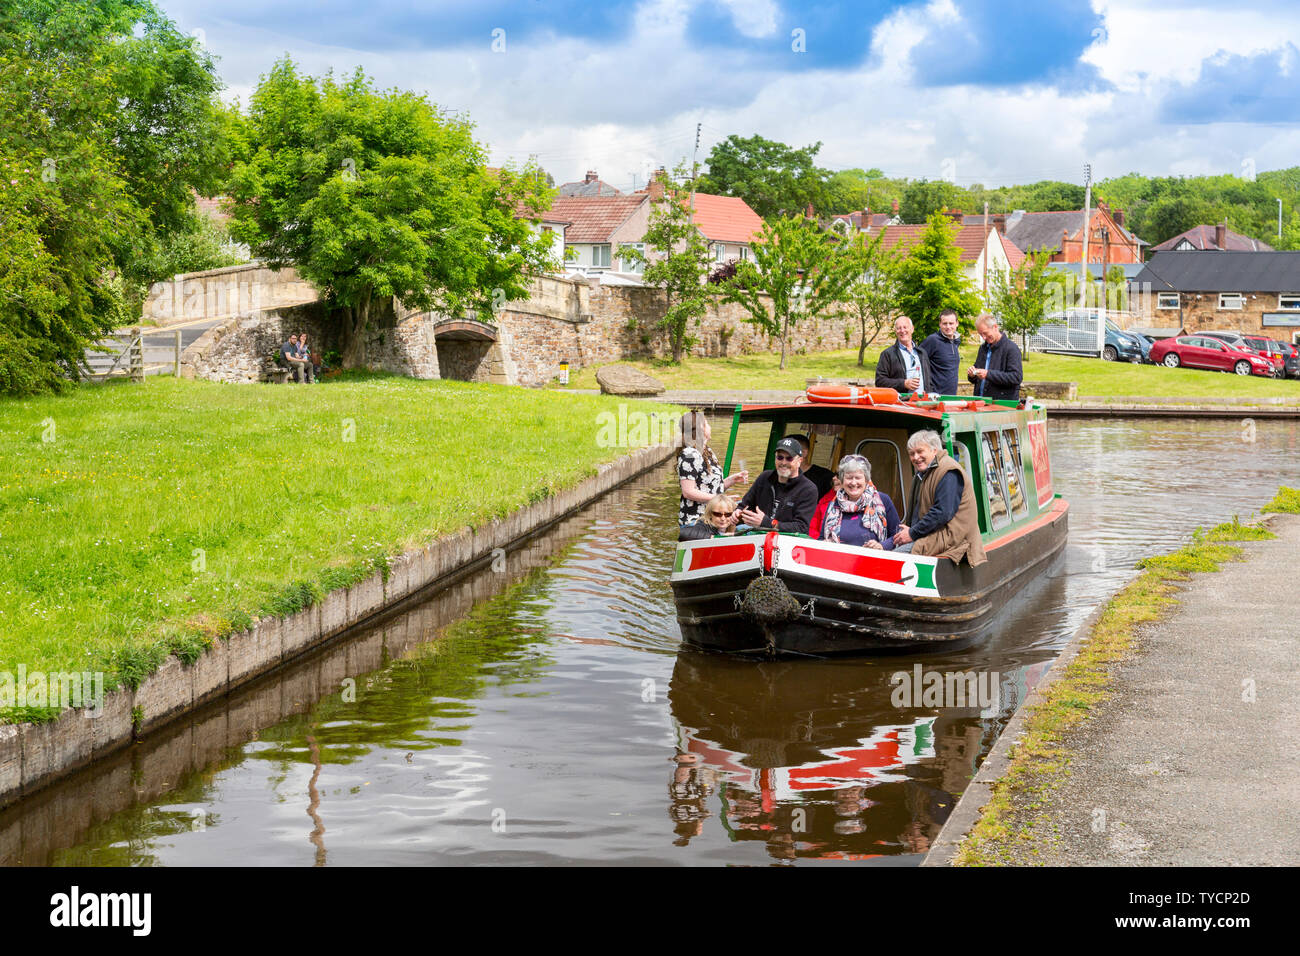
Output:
(1181, 767)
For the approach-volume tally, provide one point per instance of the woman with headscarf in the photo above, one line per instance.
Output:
(858, 513)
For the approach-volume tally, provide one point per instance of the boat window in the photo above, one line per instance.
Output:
(1014, 470)
(886, 470)
(993, 472)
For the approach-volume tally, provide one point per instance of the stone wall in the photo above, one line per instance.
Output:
(588, 323)
(224, 293)
(240, 349)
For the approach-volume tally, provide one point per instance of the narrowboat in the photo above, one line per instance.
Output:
(771, 593)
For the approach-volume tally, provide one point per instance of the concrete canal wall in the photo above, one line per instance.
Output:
(34, 755)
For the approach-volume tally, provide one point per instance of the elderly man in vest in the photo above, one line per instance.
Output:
(948, 526)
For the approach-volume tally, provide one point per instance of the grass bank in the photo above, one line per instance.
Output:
(1012, 824)
(1107, 380)
(141, 521)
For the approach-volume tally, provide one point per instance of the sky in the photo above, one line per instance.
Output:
(972, 91)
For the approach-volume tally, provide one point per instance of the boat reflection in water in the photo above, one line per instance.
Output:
(814, 759)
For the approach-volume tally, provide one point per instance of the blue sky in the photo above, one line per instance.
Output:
(991, 92)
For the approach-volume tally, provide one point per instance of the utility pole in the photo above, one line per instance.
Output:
(1279, 219)
(986, 252)
(695, 168)
(1087, 215)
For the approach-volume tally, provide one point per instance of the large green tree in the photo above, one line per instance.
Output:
(924, 198)
(106, 108)
(798, 272)
(679, 263)
(373, 195)
(773, 178)
(930, 280)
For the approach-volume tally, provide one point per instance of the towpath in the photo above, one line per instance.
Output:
(1193, 759)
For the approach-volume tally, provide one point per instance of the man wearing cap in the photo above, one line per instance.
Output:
(781, 499)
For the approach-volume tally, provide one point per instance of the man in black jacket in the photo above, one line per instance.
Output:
(997, 372)
(781, 499)
(943, 349)
(903, 366)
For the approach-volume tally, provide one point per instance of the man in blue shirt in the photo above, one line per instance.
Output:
(997, 372)
(944, 351)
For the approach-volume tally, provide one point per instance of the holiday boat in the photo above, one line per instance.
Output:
(774, 593)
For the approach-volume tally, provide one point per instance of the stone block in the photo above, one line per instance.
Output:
(403, 573)
(365, 598)
(211, 672)
(11, 763)
(334, 612)
(113, 728)
(300, 632)
(254, 652)
(164, 693)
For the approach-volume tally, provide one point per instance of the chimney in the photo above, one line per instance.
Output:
(809, 212)
(895, 207)
(956, 215)
(1119, 217)
(1221, 235)
(656, 188)
(999, 223)
(591, 176)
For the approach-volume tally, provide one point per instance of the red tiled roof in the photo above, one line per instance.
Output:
(726, 219)
(593, 218)
(969, 239)
(1202, 237)
(1015, 256)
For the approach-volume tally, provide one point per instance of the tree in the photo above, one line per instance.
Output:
(923, 198)
(773, 178)
(373, 195)
(872, 296)
(105, 106)
(798, 269)
(1021, 299)
(930, 280)
(681, 263)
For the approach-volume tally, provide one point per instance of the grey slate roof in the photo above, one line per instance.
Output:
(1042, 230)
(1194, 271)
(595, 187)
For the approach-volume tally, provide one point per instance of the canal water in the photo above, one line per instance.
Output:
(545, 712)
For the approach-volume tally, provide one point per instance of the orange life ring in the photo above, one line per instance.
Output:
(851, 395)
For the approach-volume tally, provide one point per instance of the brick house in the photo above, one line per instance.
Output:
(1062, 233)
(1256, 292)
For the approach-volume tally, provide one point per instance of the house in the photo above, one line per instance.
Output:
(1212, 238)
(601, 225)
(590, 185)
(850, 222)
(1255, 292)
(1062, 233)
(983, 250)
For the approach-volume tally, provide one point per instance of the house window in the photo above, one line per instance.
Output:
(1167, 300)
(633, 265)
(744, 256)
(600, 256)
(1289, 302)
(1231, 300)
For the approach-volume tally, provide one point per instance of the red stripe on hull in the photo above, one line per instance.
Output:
(718, 555)
(862, 565)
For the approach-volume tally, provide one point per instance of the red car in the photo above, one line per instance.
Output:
(1195, 351)
(1270, 350)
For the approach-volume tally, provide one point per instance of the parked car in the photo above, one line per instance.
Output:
(1290, 359)
(1200, 351)
(1236, 339)
(1270, 350)
(1129, 346)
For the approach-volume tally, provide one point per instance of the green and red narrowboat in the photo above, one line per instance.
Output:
(773, 593)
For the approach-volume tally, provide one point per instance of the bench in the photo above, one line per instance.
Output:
(276, 375)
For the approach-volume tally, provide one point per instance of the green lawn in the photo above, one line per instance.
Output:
(140, 520)
(1095, 378)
